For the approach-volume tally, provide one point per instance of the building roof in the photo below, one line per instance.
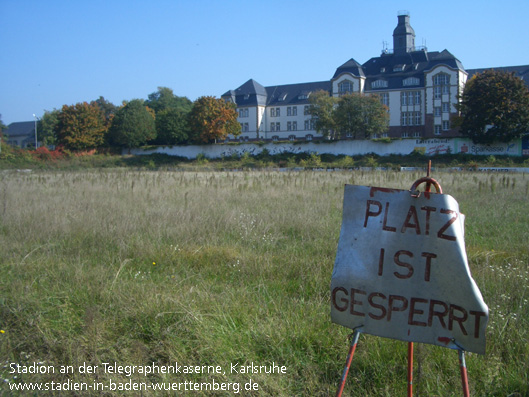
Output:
(295, 94)
(521, 71)
(20, 128)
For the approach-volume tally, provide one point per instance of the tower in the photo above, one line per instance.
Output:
(403, 35)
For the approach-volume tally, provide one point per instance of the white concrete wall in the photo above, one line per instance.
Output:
(350, 148)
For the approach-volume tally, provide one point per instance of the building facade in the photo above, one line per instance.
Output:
(419, 87)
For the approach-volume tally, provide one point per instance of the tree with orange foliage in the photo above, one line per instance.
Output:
(81, 127)
(212, 119)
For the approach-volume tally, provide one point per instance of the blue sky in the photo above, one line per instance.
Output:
(56, 52)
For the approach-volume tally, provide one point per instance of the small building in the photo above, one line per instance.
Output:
(21, 134)
(419, 87)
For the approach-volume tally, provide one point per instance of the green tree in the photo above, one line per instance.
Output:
(133, 125)
(322, 108)
(164, 99)
(494, 106)
(171, 127)
(107, 108)
(80, 127)
(361, 116)
(47, 127)
(212, 119)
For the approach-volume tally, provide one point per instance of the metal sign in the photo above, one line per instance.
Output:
(401, 270)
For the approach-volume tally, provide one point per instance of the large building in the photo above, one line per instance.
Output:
(419, 87)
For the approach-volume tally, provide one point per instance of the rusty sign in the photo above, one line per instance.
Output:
(401, 270)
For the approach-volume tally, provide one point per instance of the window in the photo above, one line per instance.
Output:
(437, 111)
(405, 135)
(291, 137)
(278, 112)
(272, 112)
(289, 111)
(410, 98)
(416, 134)
(275, 127)
(441, 79)
(446, 107)
(437, 130)
(306, 109)
(278, 126)
(379, 84)
(345, 87)
(275, 138)
(384, 98)
(441, 82)
(294, 111)
(243, 112)
(411, 81)
(245, 127)
(399, 68)
(294, 126)
(289, 126)
(446, 125)
(308, 137)
(411, 118)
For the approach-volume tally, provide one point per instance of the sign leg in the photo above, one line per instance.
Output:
(464, 376)
(354, 341)
(410, 369)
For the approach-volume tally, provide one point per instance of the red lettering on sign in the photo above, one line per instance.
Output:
(392, 308)
(421, 312)
(460, 320)
(353, 302)
(412, 215)
(441, 231)
(377, 306)
(434, 313)
(369, 212)
(414, 311)
(397, 260)
(427, 220)
(340, 308)
(385, 223)
(429, 256)
(477, 320)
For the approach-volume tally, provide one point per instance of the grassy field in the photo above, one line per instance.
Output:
(214, 268)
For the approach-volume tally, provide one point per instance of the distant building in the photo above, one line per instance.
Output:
(21, 134)
(419, 87)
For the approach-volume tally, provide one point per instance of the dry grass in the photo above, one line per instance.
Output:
(216, 268)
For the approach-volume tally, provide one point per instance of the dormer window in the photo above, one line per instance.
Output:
(379, 84)
(411, 81)
(399, 68)
(345, 87)
(304, 95)
(282, 97)
(382, 70)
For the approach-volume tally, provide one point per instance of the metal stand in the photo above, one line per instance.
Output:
(354, 341)
(462, 365)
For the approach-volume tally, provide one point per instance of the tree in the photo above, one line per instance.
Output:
(47, 127)
(322, 107)
(361, 116)
(133, 125)
(171, 127)
(80, 127)
(494, 106)
(212, 119)
(107, 108)
(164, 99)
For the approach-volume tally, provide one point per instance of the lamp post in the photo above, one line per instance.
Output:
(36, 143)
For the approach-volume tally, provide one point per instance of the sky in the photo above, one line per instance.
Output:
(62, 52)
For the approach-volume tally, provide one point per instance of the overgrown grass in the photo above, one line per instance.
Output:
(137, 267)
